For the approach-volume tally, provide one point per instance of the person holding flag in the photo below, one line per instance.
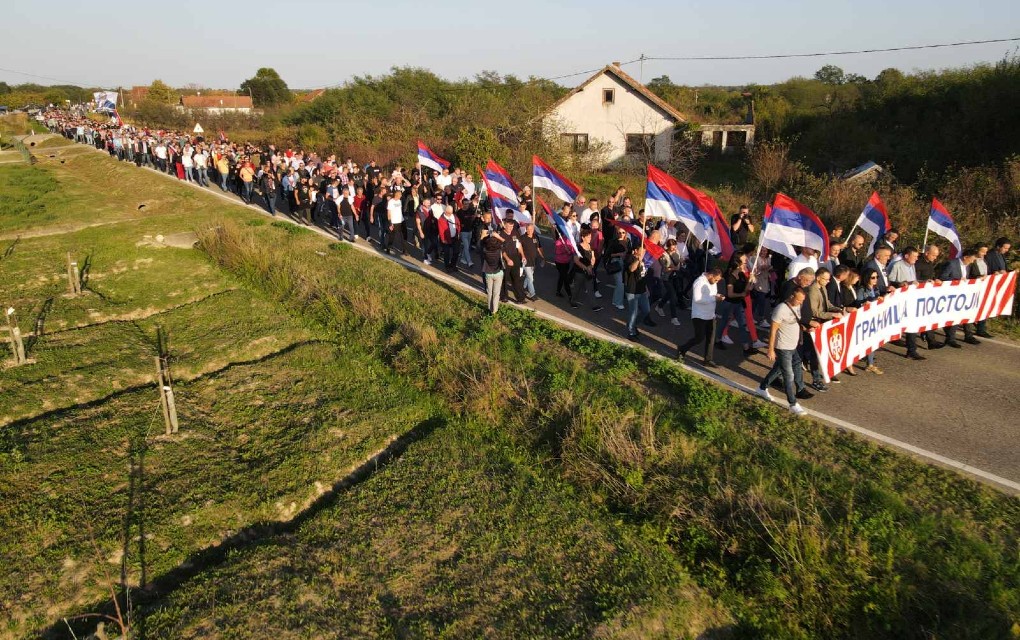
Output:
(941, 224)
(874, 221)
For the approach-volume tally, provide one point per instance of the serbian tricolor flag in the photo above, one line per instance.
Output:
(560, 223)
(502, 192)
(791, 224)
(668, 198)
(874, 220)
(638, 235)
(546, 177)
(941, 223)
(719, 234)
(120, 123)
(428, 158)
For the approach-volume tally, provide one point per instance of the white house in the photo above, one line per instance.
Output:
(613, 107)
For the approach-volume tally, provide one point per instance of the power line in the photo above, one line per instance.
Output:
(838, 53)
(36, 75)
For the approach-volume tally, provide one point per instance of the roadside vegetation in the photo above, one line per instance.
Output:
(548, 485)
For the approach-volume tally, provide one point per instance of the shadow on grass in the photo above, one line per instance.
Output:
(251, 536)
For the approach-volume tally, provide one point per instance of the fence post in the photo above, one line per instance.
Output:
(73, 276)
(17, 346)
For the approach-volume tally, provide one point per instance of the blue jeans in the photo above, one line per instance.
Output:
(248, 186)
(618, 290)
(736, 310)
(529, 280)
(465, 247)
(223, 181)
(788, 365)
(189, 174)
(637, 306)
(203, 176)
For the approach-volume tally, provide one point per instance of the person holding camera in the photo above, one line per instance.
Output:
(740, 226)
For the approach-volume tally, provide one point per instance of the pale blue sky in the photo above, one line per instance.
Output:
(315, 43)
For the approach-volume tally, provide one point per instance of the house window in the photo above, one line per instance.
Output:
(641, 143)
(608, 96)
(576, 142)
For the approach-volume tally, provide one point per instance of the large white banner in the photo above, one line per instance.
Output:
(911, 309)
(106, 101)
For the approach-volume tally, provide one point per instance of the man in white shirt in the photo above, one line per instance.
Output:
(201, 160)
(395, 221)
(590, 208)
(704, 296)
(469, 187)
(444, 179)
(806, 258)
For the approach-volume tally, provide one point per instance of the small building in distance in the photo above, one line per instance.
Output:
(215, 105)
(616, 109)
(867, 172)
(632, 122)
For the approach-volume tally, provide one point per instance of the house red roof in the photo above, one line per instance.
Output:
(312, 95)
(639, 88)
(216, 102)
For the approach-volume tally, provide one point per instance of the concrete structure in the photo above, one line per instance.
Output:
(727, 138)
(615, 108)
(215, 105)
(867, 172)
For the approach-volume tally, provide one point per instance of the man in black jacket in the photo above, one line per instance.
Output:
(853, 255)
(996, 258)
(957, 270)
(925, 270)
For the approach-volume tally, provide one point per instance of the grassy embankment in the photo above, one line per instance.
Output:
(796, 530)
(469, 530)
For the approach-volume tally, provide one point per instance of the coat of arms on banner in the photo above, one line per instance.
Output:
(836, 337)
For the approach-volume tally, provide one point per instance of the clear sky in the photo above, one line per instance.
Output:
(315, 43)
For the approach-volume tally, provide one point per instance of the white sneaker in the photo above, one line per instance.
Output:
(758, 344)
(598, 294)
(797, 409)
(660, 311)
(764, 324)
(734, 324)
(427, 262)
(620, 307)
(762, 393)
(726, 340)
(676, 321)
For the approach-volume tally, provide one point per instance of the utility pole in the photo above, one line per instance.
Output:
(641, 74)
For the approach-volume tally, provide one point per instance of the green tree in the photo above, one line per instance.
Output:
(660, 82)
(267, 88)
(161, 93)
(830, 74)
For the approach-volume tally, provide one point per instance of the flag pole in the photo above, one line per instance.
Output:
(850, 235)
(924, 245)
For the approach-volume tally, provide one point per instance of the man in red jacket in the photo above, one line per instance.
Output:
(449, 231)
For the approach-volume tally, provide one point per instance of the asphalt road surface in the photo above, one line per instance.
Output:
(959, 409)
(960, 404)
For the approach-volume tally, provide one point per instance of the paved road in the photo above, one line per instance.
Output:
(962, 404)
(959, 409)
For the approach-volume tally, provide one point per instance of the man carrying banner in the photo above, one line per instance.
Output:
(784, 340)
(957, 270)
(902, 273)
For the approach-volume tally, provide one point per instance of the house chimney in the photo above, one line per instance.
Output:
(616, 64)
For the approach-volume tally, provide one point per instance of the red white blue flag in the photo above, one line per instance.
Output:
(545, 177)
(668, 198)
(791, 224)
(501, 188)
(561, 225)
(428, 158)
(874, 220)
(941, 223)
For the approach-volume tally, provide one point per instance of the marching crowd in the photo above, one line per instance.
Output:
(447, 217)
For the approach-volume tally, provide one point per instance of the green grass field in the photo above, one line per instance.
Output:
(547, 485)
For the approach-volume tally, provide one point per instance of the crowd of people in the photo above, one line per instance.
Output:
(447, 218)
